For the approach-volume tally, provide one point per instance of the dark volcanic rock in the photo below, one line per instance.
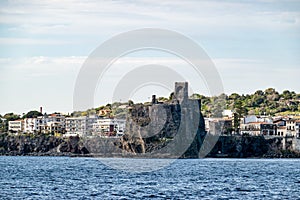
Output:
(251, 146)
(39, 144)
(240, 146)
(170, 129)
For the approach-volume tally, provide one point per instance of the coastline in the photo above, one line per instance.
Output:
(226, 147)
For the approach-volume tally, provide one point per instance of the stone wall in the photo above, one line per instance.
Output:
(175, 128)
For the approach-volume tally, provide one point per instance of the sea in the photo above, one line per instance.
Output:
(89, 178)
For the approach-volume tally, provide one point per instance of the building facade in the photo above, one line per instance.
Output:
(109, 127)
(76, 126)
(16, 126)
(30, 125)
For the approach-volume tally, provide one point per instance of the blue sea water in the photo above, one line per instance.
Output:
(88, 178)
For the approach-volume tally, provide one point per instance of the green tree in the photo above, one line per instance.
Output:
(259, 93)
(108, 106)
(171, 96)
(286, 94)
(11, 116)
(218, 105)
(162, 99)
(234, 96)
(130, 103)
(32, 114)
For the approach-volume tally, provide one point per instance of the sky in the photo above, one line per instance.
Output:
(43, 45)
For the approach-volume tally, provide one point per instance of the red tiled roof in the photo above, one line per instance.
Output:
(259, 123)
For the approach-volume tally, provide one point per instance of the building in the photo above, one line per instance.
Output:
(291, 128)
(53, 123)
(30, 125)
(81, 126)
(253, 118)
(109, 127)
(218, 126)
(259, 128)
(268, 129)
(56, 123)
(251, 128)
(90, 121)
(281, 131)
(16, 126)
(76, 126)
(297, 128)
(104, 112)
(287, 127)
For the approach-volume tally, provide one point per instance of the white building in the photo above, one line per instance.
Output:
(109, 127)
(251, 128)
(81, 126)
(76, 126)
(53, 123)
(253, 118)
(56, 123)
(291, 128)
(17, 125)
(30, 125)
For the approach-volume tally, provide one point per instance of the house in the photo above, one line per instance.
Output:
(287, 127)
(104, 112)
(16, 126)
(109, 127)
(268, 129)
(251, 128)
(291, 128)
(259, 128)
(281, 131)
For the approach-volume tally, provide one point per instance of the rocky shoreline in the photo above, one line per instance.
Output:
(226, 147)
(40, 145)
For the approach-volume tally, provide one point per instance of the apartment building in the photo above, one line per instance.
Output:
(109, 127)
(16, 126)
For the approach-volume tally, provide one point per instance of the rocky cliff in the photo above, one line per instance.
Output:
(252, 146)
(40, 145)
(164, 130)
(227, 146)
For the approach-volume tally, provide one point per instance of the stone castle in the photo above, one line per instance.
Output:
(165, 129)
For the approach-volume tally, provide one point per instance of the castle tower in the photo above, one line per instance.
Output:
(181, 91)
(154, 100)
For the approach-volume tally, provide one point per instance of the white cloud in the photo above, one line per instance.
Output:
(40, 66)
(233, 31)
(30, 41)
(94, 18)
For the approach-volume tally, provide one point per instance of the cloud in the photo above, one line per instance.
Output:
(40, 66)
(94, 18)
(30, 41)
(251, 43)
